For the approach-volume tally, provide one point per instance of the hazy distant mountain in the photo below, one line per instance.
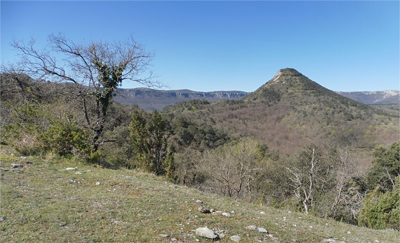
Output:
(374, 97)
(150, 99)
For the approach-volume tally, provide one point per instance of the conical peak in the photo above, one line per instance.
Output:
(286, 72)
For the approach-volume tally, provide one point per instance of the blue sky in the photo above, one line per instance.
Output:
(209, 46)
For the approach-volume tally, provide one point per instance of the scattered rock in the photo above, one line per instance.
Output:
(72, 181)
(262, 212)
(252, 227)
(218, 212)
(78, 173)
(70, 168)
(16, 166)
(204, 210)
(212, 210)
(163, 235)
(23, 157)
(235, 238)
(206, 232)
(226, 214)
(198, 201)
(262, 230)
(97, 183)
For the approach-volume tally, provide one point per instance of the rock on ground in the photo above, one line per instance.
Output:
(235, 238)
(206, 232)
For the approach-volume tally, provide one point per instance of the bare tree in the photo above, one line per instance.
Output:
(309, 175)
(95, 68)
(230, 169)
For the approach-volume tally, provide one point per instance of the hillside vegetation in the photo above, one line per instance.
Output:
(44, 201)
(292, 145)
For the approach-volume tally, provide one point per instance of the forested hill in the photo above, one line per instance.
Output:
(291, 110)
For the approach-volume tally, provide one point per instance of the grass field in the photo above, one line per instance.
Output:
(44, 202)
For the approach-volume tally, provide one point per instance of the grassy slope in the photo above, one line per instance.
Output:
(41, 204)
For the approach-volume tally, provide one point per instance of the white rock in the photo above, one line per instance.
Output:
(226, 214)
(262, 212)
(262, 230)
(252, 227)
(206, 232)
(235, 238)
(212, 210)
(198, 201)
(97, 183)
(78, 173)
(163, 235)
(70, 168)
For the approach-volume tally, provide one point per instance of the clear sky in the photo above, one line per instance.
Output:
(210, 46)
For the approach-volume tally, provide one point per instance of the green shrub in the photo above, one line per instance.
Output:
(64, 137)
(385, 167)
(381, 210)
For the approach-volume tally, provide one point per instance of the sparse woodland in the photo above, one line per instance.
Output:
(291, 144)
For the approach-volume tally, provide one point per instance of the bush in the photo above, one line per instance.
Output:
(385, 167)
(64, 137)
(380, 210)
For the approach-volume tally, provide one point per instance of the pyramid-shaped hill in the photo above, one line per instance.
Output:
(290, 111)
(292, 87)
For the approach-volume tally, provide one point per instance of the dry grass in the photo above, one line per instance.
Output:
(43, 202)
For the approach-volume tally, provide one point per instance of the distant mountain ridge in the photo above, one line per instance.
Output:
(151, 99)
(374, 97)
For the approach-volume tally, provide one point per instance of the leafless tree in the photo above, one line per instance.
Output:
(309, 175)
(95, 68)
(231, 169)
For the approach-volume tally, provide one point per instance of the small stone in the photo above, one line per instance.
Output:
(198, 201)
(311, 226)
(232, 212)
(348, 232)
(262, 230)
(262, 212)
(235, 238)
(252, 227)
(3, 218)
(206, 232)
(72, 181)
(218, 212)
(97, 183)
(204, 210)
(212, 210)
(70, 168)
(78, 173)
(16, 166)
(226, 214)
(22, 157)
(222, 235)
(163, 235)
